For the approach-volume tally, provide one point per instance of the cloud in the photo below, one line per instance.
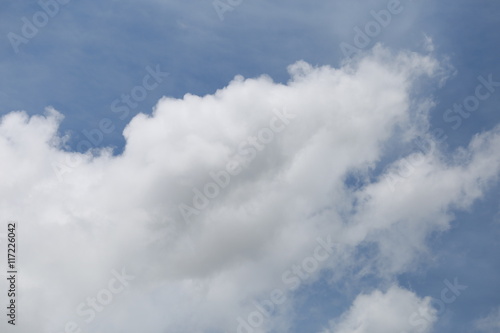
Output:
(489, 323)
(202, 273)
(399, 219)
(394, 311)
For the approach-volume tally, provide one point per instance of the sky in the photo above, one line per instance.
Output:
(251, 166)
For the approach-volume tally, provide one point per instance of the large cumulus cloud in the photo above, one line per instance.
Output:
(323, 167)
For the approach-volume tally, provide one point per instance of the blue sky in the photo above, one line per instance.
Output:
(91, 53)
(81, 61)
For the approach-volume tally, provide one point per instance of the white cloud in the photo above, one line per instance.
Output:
(398, 219)
(394, 311)
(123, 211)
(489, 323)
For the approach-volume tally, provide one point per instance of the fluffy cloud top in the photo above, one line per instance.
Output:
(490, 323)
(215, 197)
(395, 311)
